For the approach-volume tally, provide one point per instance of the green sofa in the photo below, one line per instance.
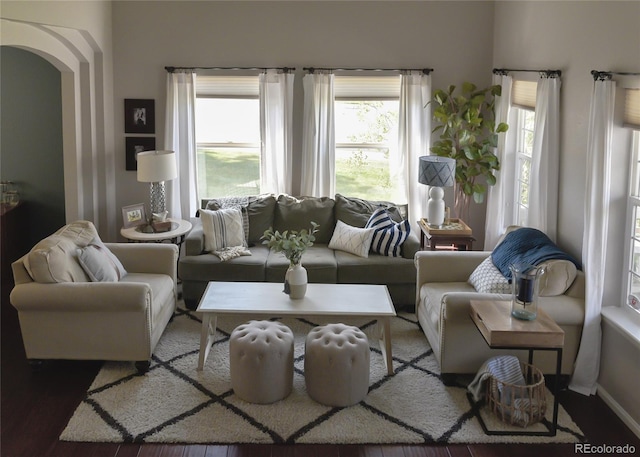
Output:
(324, 265)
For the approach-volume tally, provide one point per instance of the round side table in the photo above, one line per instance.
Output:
(177, 234)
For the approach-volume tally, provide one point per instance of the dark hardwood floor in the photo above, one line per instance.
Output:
(35, 409)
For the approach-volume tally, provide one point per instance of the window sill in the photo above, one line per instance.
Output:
(625, 320)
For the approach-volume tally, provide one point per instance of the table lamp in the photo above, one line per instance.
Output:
(436, 172)
(156, 167)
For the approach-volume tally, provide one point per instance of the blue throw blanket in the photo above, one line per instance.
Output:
(526, 246)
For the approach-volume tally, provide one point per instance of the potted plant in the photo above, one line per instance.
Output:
(292, 243)
(468, 134)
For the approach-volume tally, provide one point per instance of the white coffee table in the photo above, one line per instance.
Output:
(267, 299)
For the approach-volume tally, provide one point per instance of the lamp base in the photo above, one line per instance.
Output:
(435, 207)
(157, 197)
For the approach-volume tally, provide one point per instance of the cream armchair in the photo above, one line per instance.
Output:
(442, 308)
(84, 320)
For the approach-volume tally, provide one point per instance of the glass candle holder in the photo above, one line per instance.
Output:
(524, 287)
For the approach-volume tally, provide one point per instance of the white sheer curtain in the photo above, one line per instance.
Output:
(318, 136)
(414, 134)
(276, 108)
(596, 228)
(500, 197)
(543, 191)
(180, 136)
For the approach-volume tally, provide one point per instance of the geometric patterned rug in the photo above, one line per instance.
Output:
(175, 403)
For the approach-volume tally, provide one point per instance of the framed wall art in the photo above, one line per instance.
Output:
(136, 144)
(139, 116)
(133, 215)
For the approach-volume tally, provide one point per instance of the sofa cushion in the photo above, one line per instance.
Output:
(389, 235)
(355, 240)
(222, 229)
(356, 211)
(557, 278)
(319, 261)
(208, 267)
(487, 279)
(375, 269)
(55, 258)
(260, 211)
(297, 213)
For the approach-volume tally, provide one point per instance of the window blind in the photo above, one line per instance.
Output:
(366, 87)
(523, 94)
(227, 86)
(632, 108)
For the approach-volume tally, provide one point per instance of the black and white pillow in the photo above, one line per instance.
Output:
(388, 235)
(240, 203)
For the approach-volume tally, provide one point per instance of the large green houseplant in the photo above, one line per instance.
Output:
(468, 134)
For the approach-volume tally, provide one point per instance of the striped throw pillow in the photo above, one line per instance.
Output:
(222, 229)
(388, 235)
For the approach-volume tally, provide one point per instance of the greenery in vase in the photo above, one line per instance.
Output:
(468, 134)
(292, 243)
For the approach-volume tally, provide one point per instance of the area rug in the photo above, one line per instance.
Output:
(175, 403)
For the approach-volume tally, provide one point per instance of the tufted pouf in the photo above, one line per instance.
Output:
(336, 365)
(261, 361)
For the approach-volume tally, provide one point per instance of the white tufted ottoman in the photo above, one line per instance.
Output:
(261, 361)
(336, 365)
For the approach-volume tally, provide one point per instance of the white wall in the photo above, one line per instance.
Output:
(577, 37)
(453, 38)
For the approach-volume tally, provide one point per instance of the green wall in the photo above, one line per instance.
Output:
(31, 137)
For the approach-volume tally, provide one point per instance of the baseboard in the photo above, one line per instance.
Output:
(619, 410)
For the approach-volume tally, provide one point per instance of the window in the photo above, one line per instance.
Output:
(366, 132)
(633, 228)
(523, 99)
(227, 136)
(524, 140)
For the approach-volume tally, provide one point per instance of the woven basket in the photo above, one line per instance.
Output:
(520, 405)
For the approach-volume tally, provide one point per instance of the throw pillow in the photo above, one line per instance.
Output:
(388, 235)
(99, 263)
(240, 203)
(355, 240)
(487, 279)
(222, 229)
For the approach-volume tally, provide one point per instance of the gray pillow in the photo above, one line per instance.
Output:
(260, 210)
(297, 213)
(357, 211)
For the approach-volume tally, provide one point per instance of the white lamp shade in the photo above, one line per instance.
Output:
(437, 171)
(157, 166)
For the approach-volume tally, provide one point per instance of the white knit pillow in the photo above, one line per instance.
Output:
(487, 279)
(222, 229)
(355, 240)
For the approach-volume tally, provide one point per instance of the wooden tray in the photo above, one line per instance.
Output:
(455, 227)
(499, 329)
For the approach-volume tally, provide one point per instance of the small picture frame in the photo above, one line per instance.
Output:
(139, 116)
(135, 145)
(133, 215)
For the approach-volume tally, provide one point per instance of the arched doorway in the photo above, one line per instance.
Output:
(31, 137)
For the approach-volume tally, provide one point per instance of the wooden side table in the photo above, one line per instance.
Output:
(457, 234)
(501, 331)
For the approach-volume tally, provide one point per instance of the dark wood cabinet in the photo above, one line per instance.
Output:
(14, 235)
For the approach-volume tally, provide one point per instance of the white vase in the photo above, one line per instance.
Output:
(295, 281)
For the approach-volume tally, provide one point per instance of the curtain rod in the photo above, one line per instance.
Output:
(284, 69)
(548, 73)
(600, 75)
(425, 71)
